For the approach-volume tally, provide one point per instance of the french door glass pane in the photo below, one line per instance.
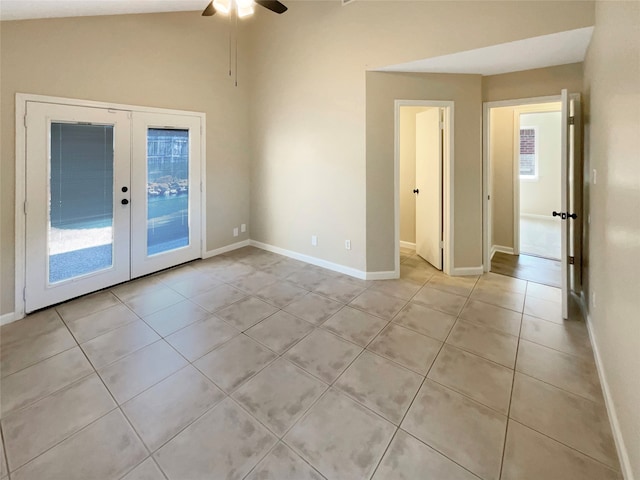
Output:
(80, 230)
(167, 190)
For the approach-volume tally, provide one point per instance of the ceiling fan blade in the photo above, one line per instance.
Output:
(210, 10)
(273, 5)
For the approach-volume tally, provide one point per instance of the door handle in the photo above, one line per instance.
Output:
(564, 216)
(124, 201)
(415, 190)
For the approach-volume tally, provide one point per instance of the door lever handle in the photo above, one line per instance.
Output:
(564, 216)
(415, 190)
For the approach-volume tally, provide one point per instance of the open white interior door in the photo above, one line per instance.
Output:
(429, 186)
(566, 214)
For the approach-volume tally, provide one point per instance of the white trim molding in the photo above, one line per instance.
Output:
(466, 271)
(10, 317)
(621, 448)
(502, 249)
(336, 267)
(407, 245)
(389, 275)
(225, 249)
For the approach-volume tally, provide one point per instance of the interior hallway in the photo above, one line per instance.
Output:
(253, 365)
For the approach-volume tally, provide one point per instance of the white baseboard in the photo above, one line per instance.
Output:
(501, 249)
(463, 271)
(390, 275)
(226, 248)
(336, 267)
(407, 245)
(6, 318)
(623, 456)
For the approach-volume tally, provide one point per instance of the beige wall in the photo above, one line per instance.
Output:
(299, 113)
(464, 90)
(612, 87)
(408, 172)
(532, 83)
(177, 60)
(313, 144)
(501, 168)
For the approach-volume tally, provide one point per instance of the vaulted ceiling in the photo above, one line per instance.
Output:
(26, 9)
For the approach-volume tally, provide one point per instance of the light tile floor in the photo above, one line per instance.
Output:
(252, 365)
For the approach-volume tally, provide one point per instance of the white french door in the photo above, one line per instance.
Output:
(165, 213)
(110, 195)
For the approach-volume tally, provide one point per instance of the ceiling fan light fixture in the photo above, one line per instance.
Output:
(245, 11)
(222, 6)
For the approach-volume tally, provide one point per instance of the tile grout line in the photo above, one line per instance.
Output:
(118, 406)
(513, 381)
(5, 457)
(414, 399)
(573, 449)
(330, 386)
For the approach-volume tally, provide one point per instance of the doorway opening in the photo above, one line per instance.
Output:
(531, 167)
(423, 159)
(525, 166)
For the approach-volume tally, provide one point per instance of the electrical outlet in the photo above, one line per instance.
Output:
(314, 240)
(243, 227)
(347, 244)
(235, 232)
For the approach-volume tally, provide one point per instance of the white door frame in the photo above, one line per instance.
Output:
(20, 176)
(486, 171)
(447, 187)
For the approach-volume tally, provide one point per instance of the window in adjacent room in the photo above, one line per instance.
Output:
(528, 153)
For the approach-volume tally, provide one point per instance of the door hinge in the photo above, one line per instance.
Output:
(441, 125)
(25, 207)
(572, 260)
(24, 294)
(25, 120)
(572, 120)
(201, 187)
(441, 244)
(488, 197)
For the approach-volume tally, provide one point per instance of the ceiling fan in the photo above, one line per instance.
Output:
(238, 9)
(243, 7)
